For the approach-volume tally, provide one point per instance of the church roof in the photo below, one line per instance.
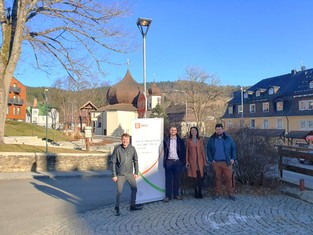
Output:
(126, 91)
(154, 90)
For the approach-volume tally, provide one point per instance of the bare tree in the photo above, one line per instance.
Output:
(201, 91)
(68, 33)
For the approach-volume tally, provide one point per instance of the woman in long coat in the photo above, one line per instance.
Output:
(195, 160)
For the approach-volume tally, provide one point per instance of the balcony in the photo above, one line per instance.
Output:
(16, 90)
(18, 102)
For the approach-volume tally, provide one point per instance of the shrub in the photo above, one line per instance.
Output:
(256, 156)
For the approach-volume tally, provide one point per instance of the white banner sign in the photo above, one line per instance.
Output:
(147, 138)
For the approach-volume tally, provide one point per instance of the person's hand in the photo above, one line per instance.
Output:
(232, 161)
(187, 165)
(136, 176)
(114, 179)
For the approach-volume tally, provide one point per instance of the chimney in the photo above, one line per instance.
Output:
(303, 68)
(293, 71)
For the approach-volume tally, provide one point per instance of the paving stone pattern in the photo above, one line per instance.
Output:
(273, 214)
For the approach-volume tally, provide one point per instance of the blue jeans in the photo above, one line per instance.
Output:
(172, 173)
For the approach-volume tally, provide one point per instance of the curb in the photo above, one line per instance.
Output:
(306, 195)
(53, 175)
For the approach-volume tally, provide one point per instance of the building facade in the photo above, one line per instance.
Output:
(16, 109)
(281, 102)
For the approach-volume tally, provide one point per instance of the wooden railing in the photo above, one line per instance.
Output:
(294, 152)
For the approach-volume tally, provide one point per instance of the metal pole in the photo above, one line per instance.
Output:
(72, 125)
(46, 96)
(144, 72)
(241, 106)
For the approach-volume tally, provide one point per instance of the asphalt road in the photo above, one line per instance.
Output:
(27, 205)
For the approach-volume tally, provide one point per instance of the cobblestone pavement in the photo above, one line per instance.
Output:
(249, 214)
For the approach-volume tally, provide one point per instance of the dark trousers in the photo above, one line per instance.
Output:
(172, 174)
(120, 185)
(198, 183)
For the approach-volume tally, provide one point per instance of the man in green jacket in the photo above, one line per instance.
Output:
(125, 168)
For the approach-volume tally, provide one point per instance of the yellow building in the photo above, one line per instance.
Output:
(284, 102)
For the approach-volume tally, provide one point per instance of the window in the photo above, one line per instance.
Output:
(245, 95)
(99, 122)
(18, 111)
(252, 108)
(280, 105)
(239, 108)
(229, 123)
(252, 123)
(311, 85)
(266, 107)
(306, 124)
(14, 85)
(271, 91)
(257, 93)
(279, 123)
(306, 105)
(265, 124)
(14, 110)
(230, 110)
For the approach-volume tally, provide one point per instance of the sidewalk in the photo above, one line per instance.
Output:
(31, 175)
(289, 189)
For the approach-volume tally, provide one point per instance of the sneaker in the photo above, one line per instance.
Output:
(231, 197)
(216, 197)
(178, 198)
(167, 199)
(135, 207)
(117, 211)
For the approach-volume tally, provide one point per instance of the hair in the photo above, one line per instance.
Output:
(190, 135)
(219, 125)
(125, 135)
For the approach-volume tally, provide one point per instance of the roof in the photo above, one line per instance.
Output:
(298, 134)
(262, 132)
(89, 106)
(118, 107)
(126, 91)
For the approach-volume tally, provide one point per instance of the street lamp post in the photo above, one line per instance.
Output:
(46, 97)
(72, 125)
(241, 106)
(144, 24)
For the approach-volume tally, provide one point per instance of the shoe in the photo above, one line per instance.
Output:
(178, 198)
(200, 195)
(117, 211)
(216, 197)
(167, 199)
(136, 208)
(231, 197)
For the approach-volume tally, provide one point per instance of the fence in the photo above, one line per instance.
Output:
(294, 152)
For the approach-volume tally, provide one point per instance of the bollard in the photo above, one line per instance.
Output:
(301, 184)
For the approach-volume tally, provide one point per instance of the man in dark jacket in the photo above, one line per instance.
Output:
(221, 153)
(125, 168)
(173, 162)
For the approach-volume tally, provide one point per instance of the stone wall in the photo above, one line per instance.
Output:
(38, 162)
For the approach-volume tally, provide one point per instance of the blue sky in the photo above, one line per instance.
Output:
(240, 41)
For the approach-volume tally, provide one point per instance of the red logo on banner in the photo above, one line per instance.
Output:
(137, 125)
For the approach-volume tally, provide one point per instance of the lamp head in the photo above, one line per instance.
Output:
(143, 24)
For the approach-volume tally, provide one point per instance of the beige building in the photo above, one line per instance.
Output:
(284, 103)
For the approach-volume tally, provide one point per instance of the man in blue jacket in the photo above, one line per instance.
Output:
(173, 162)
(221, 153)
